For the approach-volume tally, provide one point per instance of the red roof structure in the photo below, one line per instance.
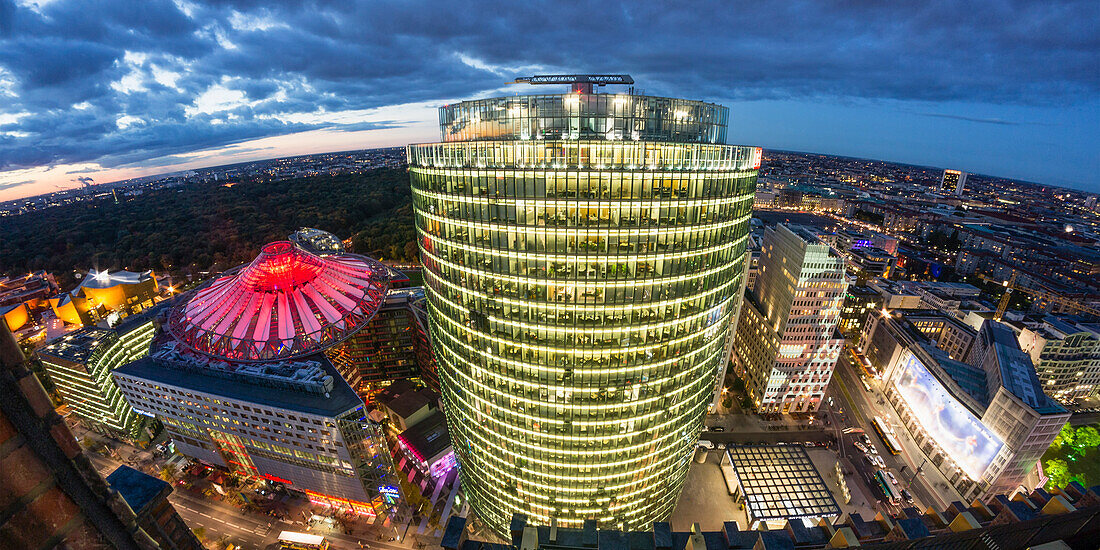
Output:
(286, 303)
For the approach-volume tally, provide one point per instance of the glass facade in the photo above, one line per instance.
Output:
(79, 364)
(584, 116)
(580, 288)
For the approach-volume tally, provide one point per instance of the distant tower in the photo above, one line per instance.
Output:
(953, 181)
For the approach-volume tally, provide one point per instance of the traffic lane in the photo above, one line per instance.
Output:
(858, 399)
(778, 436)
(866, 401)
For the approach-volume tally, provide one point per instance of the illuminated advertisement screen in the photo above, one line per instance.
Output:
(954, 428)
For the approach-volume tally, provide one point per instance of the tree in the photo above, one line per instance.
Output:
(1058, 472)
(1068, 435)
(1086, 438)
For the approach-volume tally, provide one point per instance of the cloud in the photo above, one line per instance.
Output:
(121, 83)
(975, 119)
(14, 184)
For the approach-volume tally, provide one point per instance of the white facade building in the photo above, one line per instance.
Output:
(983, 425)
(786, 344)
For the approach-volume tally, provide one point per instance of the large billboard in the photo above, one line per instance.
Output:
(951, 425)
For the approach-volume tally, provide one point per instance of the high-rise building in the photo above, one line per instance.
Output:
(384, 349)
(786, 343)
(80, 363)
(1066, 354)
(239, 378)
(583, 254)
(953, 181)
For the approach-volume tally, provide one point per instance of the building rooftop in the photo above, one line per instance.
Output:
(137, 488)
(286, 303)
(75, 346)
(780, 482)
(999, 525)
(108, 279)
(428, 437)
(1017, 372)
(254, 387)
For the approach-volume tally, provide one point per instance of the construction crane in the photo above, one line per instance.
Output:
(581, 83)
(1010, 286)
(1002, 306)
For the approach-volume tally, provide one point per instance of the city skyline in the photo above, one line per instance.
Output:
(1007, 91)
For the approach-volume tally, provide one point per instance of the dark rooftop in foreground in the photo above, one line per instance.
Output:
(1070, 515)
(137, 488)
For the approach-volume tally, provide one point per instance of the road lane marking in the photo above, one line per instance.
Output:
(848, 397)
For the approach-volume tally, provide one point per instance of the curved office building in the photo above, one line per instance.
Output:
(583, 254)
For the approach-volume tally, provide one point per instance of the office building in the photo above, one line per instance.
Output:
(847, 240)
(869, 262)
(582, 255)
(1066, 354)
(953, 181)
(859, 301)
(240, 380)
(147, 496)
(982, 425)
(80, 363)
(50, 494)
(384, 350)
(786, 343)
(879, 344)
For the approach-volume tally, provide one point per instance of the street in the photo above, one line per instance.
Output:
(253, 531)
(860, 407)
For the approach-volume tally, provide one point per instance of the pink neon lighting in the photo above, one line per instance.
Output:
(286, 303)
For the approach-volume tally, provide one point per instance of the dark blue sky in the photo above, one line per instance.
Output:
(114, 89)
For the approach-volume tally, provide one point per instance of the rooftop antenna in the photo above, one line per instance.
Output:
(581, 83)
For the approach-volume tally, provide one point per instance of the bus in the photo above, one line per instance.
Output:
(886, 433)
(887, 487)
(290, 540)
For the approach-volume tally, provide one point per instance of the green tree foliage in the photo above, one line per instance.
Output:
(210, 227)
(1058, 472)
(1086, 438)
(1068, 435)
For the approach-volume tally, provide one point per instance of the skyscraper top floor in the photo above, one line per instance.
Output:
(585, 116)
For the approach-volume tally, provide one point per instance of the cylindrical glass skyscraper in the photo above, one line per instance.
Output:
(582, 254)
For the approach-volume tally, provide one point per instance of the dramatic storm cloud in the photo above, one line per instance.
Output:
(998, 87)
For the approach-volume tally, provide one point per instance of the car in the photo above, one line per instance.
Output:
(893, 479)
(907, 496)
(878, 460)
(716, 429)
(871, 449)
(706, 444)
(809, 444)
(869, 461)
(866, 440)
